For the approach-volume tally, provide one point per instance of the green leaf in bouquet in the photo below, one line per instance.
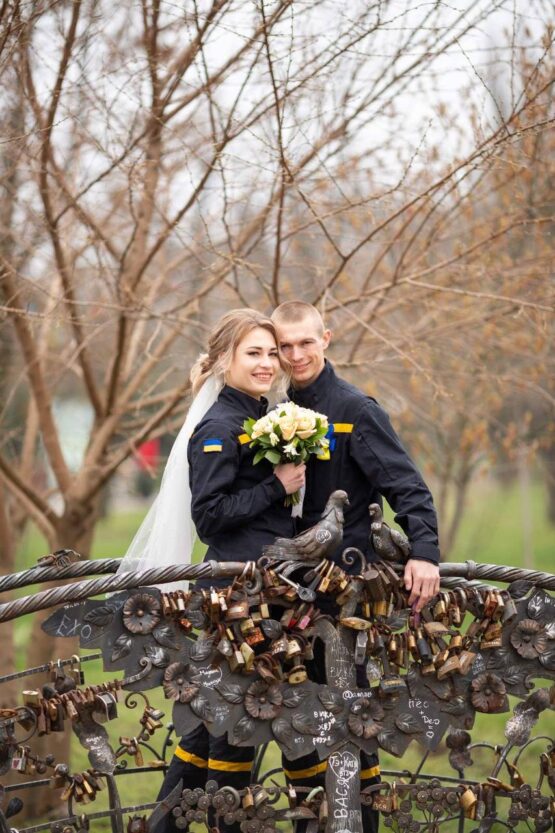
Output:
(273, 456)
(248, 426)
(260, 455)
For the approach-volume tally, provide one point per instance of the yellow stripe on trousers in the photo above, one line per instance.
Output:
(309, 772)
(230, 766)
(189, 758)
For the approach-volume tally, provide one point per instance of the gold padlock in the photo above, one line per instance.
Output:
(297, 675)
(468, 802)
(382, 803)
(248, 656)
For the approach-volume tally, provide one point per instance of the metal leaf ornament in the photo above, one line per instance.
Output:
(122, 647)
(243, 730)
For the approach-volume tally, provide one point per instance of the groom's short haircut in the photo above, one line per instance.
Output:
(291, 312)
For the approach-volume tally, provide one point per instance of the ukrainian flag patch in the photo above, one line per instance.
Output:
(213, 444)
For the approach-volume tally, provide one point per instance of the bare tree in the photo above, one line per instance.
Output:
(173, 162)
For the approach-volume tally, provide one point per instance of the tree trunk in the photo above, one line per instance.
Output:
(7, 642)
(75, 531)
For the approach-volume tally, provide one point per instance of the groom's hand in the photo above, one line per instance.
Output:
(422, 579)
(292, 477)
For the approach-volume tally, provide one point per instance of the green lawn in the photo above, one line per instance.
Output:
(491, 532)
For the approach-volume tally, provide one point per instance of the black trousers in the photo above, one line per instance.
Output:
(199, 758)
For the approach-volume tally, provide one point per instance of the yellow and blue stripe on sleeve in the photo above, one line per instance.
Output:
(212, 444)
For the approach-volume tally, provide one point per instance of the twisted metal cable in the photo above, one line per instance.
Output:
(37, 575)
(497, 572)
(84, 589)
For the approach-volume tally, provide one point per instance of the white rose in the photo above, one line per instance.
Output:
(288, 426)
(260, 427)
(306, 425)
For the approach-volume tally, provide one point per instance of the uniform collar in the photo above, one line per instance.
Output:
(248, 405)
(316, 390)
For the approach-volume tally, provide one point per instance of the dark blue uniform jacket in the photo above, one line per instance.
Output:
(368, 460)
(236, 507)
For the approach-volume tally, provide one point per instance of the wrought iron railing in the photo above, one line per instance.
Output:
(241, 660)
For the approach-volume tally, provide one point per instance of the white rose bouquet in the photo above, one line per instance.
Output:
(288, 434)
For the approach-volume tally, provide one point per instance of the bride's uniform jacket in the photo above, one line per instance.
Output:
(236, 507)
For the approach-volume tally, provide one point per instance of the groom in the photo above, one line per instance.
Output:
(368, 461)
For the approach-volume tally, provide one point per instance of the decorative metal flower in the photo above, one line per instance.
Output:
(489, 693)
(263, 701)
(364, 717)
(177, 686)
(141, 613)
(529, 639)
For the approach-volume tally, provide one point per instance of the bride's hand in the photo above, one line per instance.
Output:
(292, 477)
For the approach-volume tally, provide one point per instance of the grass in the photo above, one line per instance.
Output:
(491, 532)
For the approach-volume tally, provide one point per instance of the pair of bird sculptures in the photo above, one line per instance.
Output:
(325, 537)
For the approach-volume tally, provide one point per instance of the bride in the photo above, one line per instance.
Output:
(211, 485)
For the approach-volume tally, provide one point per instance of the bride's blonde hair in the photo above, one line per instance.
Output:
(230, 330)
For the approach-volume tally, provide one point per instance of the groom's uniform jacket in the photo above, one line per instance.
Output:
(236, 507)
(367, 460)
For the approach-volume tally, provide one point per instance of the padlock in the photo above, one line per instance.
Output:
(236, 660)
(19, 761)
(166, 605)
(380, 607)
(305, 619)
(92, 778)
(31, 697)
(278, 648)
(326, 578)
(260, 795)
(297, 675)
(466, 661)
(382, 803)
(286, 617)
(255, 637)
(57, 722)
(59, 778)
(510, 608)
(76, 671)
(248, 656)
(423, 647)
(411, 645)
(68, 791)
(360, 647)
(248, 799)
(392, 684)
(441, 657)
(291, 796)
(323, 812)
(246, 625)
(266, 668)
(293, 649)
(468, 801)
(450, 666)
(43, 721)
(237, 610)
